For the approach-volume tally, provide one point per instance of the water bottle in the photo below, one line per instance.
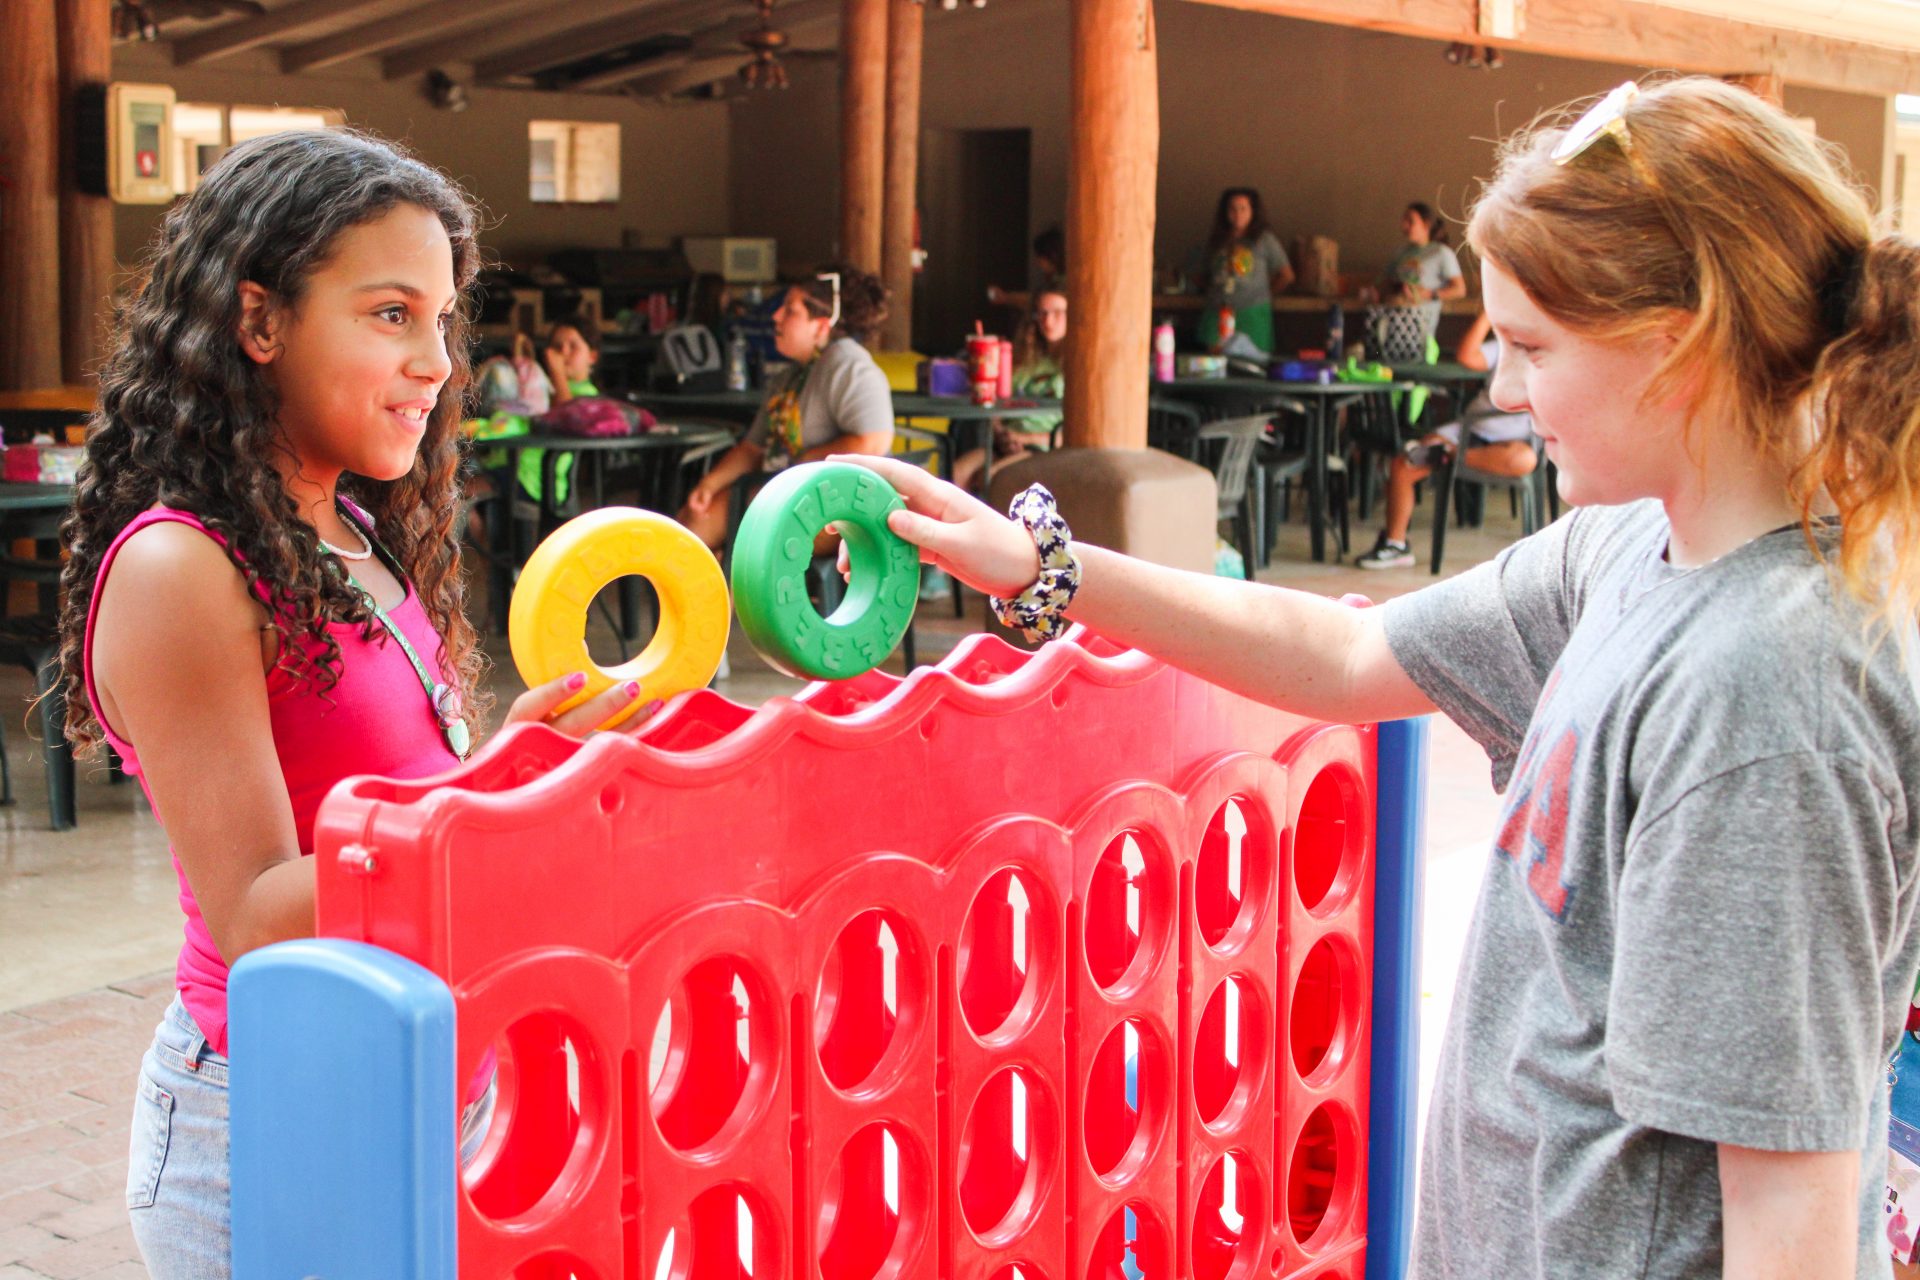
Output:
(737, 361)
(1336, 332)
(1163, 349)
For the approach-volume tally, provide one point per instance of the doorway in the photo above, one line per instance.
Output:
(973, 225)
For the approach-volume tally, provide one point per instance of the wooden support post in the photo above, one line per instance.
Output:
(905, 29)
(1763, 84)
(86, 221)
(1111, 169)
(29, 199)
(863, 129)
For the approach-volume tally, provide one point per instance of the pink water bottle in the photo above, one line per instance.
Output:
(1163, 351)
(1006, 369)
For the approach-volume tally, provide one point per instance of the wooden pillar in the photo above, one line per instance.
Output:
(1111, 169)
(1764, 84)
(29, 198)
(863, 129)
(905, 28)
(86, 221)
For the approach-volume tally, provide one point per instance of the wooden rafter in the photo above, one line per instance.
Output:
(690, 74)
(1628, 32)
(388, 33)
(282, 24)
(691, 18)
(434, 50)
(713, 58)
(579, 42)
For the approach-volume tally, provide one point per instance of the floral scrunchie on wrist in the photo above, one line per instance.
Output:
(1039, 612)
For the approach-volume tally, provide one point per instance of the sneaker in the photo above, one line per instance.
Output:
(1420, 454)
(1386, 555)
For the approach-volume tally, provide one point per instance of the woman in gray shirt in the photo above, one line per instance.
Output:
(834, 399)
(1421, 275)
(1244, 266)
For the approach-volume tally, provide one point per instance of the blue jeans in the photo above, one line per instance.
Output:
(178, 1194)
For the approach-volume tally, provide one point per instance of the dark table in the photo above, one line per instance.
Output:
(1319, 399)
(1456, 381)
(29, 500)
(35, 511)
(976, 418)
(741, 406)
(735, 406)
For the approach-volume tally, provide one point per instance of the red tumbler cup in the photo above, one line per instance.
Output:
(983, 364)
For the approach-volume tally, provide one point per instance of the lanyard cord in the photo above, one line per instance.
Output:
(444, 699)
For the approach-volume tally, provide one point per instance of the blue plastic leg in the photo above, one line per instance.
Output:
(344, 1151)
(1400, 837)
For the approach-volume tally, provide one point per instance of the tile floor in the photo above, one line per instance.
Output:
(88, 930)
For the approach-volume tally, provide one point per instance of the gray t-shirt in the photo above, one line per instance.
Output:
(1697, 923)
(1428, 265)
(840, 392)
(1241, 274)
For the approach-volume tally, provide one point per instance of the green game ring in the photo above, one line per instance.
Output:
(774, 547)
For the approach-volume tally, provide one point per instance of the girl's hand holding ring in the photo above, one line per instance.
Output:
(955, 531)
(537, 704)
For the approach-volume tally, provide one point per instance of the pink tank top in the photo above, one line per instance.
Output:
(375, 720)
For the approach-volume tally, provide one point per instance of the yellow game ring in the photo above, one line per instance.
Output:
(547, 622)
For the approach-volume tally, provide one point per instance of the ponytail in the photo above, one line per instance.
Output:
(862, 300)
(1866, 407)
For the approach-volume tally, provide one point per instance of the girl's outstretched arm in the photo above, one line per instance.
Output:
(1290, 649)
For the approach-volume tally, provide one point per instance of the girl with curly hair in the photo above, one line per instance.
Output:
(263, 593)
(1695, 938)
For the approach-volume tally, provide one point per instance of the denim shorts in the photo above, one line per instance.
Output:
(178, 1194)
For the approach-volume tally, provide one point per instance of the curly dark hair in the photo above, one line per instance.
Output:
(1222, 234)
(863, 300)
(186, 419)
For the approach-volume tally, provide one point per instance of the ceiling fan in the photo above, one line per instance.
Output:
(769, 47)
(763, 70)
(141, 19)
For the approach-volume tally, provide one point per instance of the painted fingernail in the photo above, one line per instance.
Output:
(633, 689)
(576, 682)
(652, 707)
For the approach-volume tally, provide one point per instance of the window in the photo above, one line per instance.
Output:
(199, 138)
(573, 162)
(202, 132)
(258, 122)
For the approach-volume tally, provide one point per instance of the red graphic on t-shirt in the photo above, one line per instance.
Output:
(1534, 834)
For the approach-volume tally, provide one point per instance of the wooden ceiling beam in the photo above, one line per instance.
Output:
(494, 37)
(712, 61)
(281, 24)
(570, 46)
(690, 74)
(388, 33)
(667, 20)
(1625, 31)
